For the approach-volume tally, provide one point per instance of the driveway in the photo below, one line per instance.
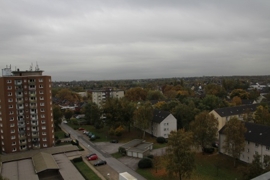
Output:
(108, 147)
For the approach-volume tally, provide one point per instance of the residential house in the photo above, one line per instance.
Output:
(162, 124)
(223, 115)
(257, 141)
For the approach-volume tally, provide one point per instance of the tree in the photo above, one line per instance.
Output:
(155, 95)
(68, 114)
(236, 101)
(262, 115)
(180, 160)
(204, 128)
(214, 89)
(240, 93)
(184, 114)
(143, 116)
(136, 94)
(92, 113)
(254, 169)
(234, 142)
(210, 102)
(57, 115)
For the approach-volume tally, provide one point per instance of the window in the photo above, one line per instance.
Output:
(247, 150)
(44, 139)
(11, 112)
(267, 148)
(10, 94)
(9, 81)
(42, 110)
(10, 100)
(40, 80)
(41, 104)
(44, 145)
(164, 129)
(42, 116)
(9, 87)
(13, 143)
(256, 145)
(44, 133)
(12, 125)
(14, 149)
(10, 106)
(40, 86)
(41, 98)
(11, 118)
(13, 137)
(43, 127)
(40, 92)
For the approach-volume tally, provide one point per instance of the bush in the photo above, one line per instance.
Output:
(145, 163)
(56, 137)
(150, 156)
(78, 159)
(208, 150)
(161, 140)
(58, 141)
(122, 151)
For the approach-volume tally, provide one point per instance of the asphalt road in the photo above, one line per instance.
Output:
(118, 166)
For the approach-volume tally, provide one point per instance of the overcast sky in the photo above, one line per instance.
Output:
(124, 39)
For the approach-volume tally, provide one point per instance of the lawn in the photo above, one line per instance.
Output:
(208, 167)
(86, 171)
(125, 137)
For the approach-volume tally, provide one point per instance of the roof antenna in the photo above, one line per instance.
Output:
(37, 68)
(31, 67)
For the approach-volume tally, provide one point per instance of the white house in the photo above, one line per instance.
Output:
(257, 141)
(162, 124)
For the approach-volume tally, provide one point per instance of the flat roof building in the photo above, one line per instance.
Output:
(26, 119)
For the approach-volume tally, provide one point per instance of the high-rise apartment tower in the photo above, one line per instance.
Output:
(26, 119)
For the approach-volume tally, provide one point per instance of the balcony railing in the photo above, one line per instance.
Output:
(34, 124)
(32, 95)
(35, 135)
(23, 143)
(18, 83)
(34, 130)
(21, 137)
(19, 95)
(21, 125)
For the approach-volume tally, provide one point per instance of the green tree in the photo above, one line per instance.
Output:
(155, 95)
(184, 114)
(127, 112)
(143, 116)
(68, 114)
(180, 160)
(92, 113)
(210, 102)
(57, 115)
(240, 93)
(234, 142)
(262, 115)
(216, 90)
(204, 128)
(254, 169)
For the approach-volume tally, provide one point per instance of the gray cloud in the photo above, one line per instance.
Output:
(100, 40)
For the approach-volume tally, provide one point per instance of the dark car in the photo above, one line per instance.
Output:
(114, 141)
(90, 155)
(99, 163)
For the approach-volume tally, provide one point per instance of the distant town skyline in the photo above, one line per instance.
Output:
(110, 40)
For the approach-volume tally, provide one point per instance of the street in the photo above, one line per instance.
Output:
(118, 166)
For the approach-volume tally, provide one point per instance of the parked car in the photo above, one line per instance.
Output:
(114, 141)
(89, 155)
(93, 157)
(99, 163)
(81, 129)
(85, 132)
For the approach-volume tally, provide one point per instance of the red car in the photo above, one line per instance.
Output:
(81, 129)
(93, 157)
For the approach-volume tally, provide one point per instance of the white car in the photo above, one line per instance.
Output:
(65, 122)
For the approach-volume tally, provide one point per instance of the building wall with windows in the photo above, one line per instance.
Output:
(257, 141)
(100, 96)
(26, 119)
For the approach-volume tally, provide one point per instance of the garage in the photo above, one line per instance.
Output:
(137, 148)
